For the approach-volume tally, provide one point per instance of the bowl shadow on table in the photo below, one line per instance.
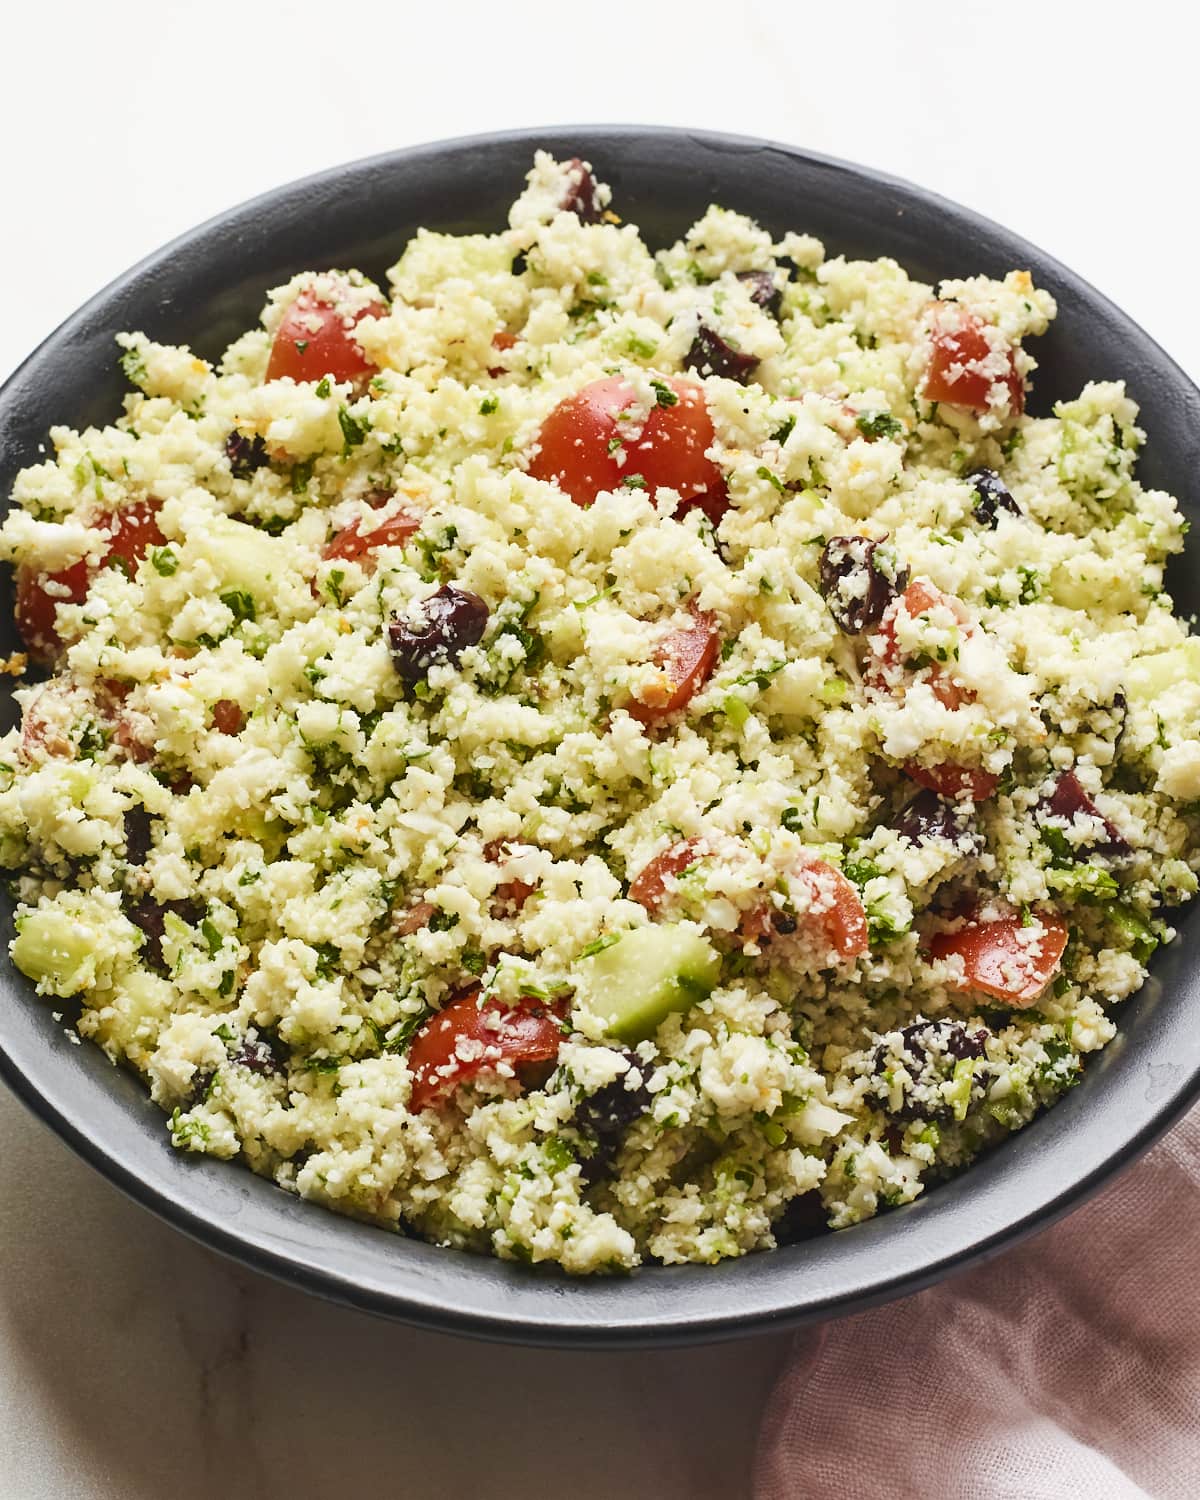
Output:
(158, 1368)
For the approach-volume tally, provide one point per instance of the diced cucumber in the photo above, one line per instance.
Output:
(631, 986)
(1149, 677)
(130, 1023)
(1088, 583)
(56, 952)
(1136, 934)
(245, 558)
(958, 1095)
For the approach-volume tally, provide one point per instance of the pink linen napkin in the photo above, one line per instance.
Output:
(1067, 1368)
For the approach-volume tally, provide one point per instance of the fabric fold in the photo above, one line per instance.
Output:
(1069, 1367)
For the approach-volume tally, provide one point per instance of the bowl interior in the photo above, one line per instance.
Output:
(207, 288)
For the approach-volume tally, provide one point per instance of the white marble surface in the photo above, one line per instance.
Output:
(133, 1364)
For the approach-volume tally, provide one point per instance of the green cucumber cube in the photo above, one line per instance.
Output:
(631, 986)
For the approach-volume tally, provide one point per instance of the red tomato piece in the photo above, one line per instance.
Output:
(917, 599)
(509, 894)
(316, 338)
(353, 543)
(835, 913)
(126, 729)
(36, 607)
(44, 732)
(227, 716)
(414, 919)
(949, 779)
(649, 886)
(583, 448)
(964, 367)
(999, 959)
(686, 659)
(502, 342)
(129, 533)
(468, 1036)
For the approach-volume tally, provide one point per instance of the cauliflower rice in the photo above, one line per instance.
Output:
(655, 872)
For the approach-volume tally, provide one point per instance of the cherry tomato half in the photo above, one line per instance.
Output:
(584, 449)
(353, 543)
(315, 336)
(686, 659)
(835, 914)
(951, 781)
(963, 366)
(466, 1037)
(917, 599)
(998, 958)
(130, 532)
(948, 780)
(45, 724)
(502, 342)
(509, 896)
(649, 886)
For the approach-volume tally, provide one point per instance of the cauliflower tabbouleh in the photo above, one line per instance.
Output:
(601, 756)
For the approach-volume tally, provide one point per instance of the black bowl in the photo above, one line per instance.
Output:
(205, 289)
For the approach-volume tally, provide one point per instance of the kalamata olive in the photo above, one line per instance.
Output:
(201, 1083)
(859, 581)
(150, 915)
(992, 496)
(804, 1218)
(711, 355)
(137, 836)
(952, 1037)
(603, 1119)
(263, 1054)
(763, 291)
(928, 816)
(580, 195)
(245, 454)
(927, 1051)
(1069, 798)
(453, 619)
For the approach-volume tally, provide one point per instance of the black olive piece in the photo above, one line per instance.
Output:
(955, 1038)
(453, 620)
(711, 355)
(1120, 710)
(520, 265)
(200, 1087)
(581, 196)
(804, 1218)
(928, 816)
(603, 1119)
(245, 454)
(264, 1055)
(1069, 798)
(921, 1043)
(150, 915)
(855, 588)
(992, 496)
(763, 291)
(137, 836)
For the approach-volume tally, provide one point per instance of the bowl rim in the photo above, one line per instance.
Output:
(656, 1305)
